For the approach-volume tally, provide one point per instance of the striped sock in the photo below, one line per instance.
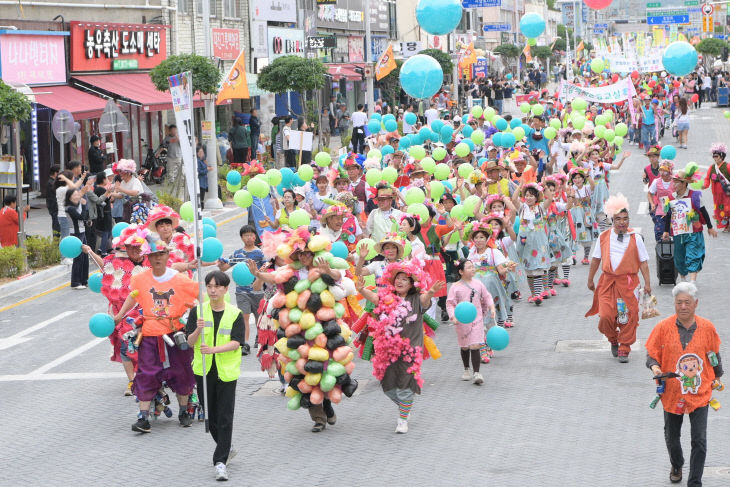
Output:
(566, 271)
(483, 351)
(537, 285)
(586, 252)
(552, 274)
(509, 316)
(404, 408)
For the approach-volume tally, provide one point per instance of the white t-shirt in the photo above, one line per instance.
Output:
(618, 249)
(359, 119)
(493, 257)
(61, 201)
(418, 250)
(431, 114)
(653, 185)
(133, 184)
(285, 138)
(407, 128)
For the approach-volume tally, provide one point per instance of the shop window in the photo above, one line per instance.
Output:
(230, 9)
(199, 7)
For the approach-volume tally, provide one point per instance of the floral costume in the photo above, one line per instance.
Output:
(532, 245)
(486, 272)
(586, 228)
(716, 176)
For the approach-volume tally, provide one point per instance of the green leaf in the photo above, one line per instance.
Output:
(14, 106)
(206, 75)
(444, 59)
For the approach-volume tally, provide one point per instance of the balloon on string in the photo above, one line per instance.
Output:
(465, 312)
(467, 131)
(232, 189)
(339, 249)
(241, 274)
(549, 133)
(509, 76)
(257, 187)
(424, 132)
(322, 159)
(421, 76)
(374, 126)
(437, 190)
(519, 133)
(668, 152)
(471, 204)
(532, 25)
(404, 143)
(306, 173)
(242, 198)
(476, 111)
(415, 195)
(618, 141)
(70, 247)
(438, 154)
(441, 172)
(461, 149)
(369, 243)
(465, 170)
(212, 249)
(598, 4)
(489, 112)
(621, 129)
(287, 177)
(579, 122)
(373, 176)
(209, 231)
(726, 113)
(537, 109)
(532, 42)
(428, 164)
(375, 154)
(118, 227)
(233, 177)
(470, 143)
(436, 125)
(609, 134)
(299, 218)
(388, 116)
(411, 118)
(391, 125)
(695, 98)
(508, 139)
(458, 213)
(497, 139)
(501, 124)
(497, 338)
(420, 210)
(377, 116)
(579, 104)
(597, 65)
(186, 211)
(417, 152)
(390, 174)
(95, 282)
(679, 58)
(524, 107)
(438, 17)
(515, 122)
(387, 149)
(600, 130)
(447, 131)
(101, 325)
(477, 137)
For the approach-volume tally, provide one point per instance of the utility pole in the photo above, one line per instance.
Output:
(369, 97)
(517, 35)
(213, 202)
(20, 205)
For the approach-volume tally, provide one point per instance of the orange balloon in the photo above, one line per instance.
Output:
(304, 387)
(284, 317)
(335, 395)
(292, 330)
(300, 365)
(316, 396)
(350, 367)
(303, 350)
(321, 340)
(288, 377)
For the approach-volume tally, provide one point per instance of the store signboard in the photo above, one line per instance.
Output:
(226, 44)
(274, 10)
(32, 59)
(285, 42)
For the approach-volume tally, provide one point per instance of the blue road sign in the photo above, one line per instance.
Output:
(481, 3)
(668, 19)
(497, 28)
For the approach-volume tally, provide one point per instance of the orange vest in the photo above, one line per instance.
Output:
(619, 283)
(691, 363)
(163, 303)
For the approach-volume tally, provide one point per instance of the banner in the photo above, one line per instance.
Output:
(623, 90)
(386, 64)
(181, 89)
(235, 84)
(469, 57)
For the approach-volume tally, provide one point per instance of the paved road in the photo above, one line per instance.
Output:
(543, 417)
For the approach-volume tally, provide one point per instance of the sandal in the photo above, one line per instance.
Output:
(318, 427)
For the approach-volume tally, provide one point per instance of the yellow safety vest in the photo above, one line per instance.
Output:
(228, 364)
(500, 187)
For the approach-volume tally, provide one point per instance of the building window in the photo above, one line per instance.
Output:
(392, 21)
(183, 6)
(230, 9)
(199, 7)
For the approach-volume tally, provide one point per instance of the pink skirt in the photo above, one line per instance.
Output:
(470, 334)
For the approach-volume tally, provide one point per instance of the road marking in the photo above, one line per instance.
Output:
(19, 337)
(646, 188)
(99, 375)
(643, 208)
(68, 356)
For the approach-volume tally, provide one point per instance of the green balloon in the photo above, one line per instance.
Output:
(295, 402)
(461, 149)
(390, 174)
(609, 113)
(437, 190)
(305, 172)
(524, 107)
(243, 198)
(274, 177)
(579, 122)
(609, 134)
(323, 159)
(186, 211)
(597, 65)
(555, 123)
(299, 218)
(601, 120)
(415, 195)
(600, 130)
(373, 176)
(370, 244)
(477, 137)
(257, 187)
(438, 154)
(418, 209)
(618, 141)
(231, 188)
(417, 152)
(538, 109)
(327, 382)
(375, 154)
(465, 169)
(442, 171)
(621, 129)
(458, 212)
(550, 133)
(476, 111)
(471, 205)
(532, 41)
(428, 165)
(489, 112)
(519, 133)
(579, 104)
(407, 249)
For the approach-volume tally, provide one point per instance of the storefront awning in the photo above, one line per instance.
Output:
(134, 87)
(343, 71)
(80, 103)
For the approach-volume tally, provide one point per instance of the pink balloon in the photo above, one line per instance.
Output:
(598, 4)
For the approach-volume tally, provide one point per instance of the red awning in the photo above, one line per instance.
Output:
(134, 87)
(346, 71)
(80, 103)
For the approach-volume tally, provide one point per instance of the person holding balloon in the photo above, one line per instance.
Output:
(717, 179)
(164, 221)
(468, 305)
(490, 264)
(77, 215)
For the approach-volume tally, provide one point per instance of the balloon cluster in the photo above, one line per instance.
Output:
(313, 340)
(532, 25)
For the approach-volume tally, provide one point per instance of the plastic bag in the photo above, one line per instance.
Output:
(647, 305)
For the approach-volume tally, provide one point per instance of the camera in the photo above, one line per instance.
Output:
(180, 340)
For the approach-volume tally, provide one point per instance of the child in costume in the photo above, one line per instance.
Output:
(398, 332)
(659, 189)
(558, 230)
(564, 195)
(470, 335)
(718, 180)
(490, 267)
(586, 229)
(532, 242)
(503, 238)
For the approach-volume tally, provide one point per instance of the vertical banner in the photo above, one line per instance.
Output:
(181, 89)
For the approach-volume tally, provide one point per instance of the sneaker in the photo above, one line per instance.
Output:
(508, 324)
(545, 294)
(478, 379)
(67, 261)
(141, 426)
(516, 296)
(484, 359)
(675, 475)
(566, 282)
(245, 349)
(553, 292)
(221, 474)
(128, 392)
(231, 455)
(466, 375)
(79, 287)
(402, 426)
(282, 389)
(332, 420)
(318, 427)
(185, 418)
(623, 357)
(557, 282)
(614, 349)
(584, 262)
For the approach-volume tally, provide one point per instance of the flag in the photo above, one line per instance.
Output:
(235, 84)
(386, 64)
(470, 57)
(552, 46)
(579, 49)
(526, 52)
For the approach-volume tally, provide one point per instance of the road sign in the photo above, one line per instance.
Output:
(497, 28)
(64, 130)
(481, 3)
(707, 9)
(600, 26)
(653, 5)
(664, 16)
(691, 3)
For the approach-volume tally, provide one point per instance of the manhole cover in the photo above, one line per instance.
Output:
(588, 346)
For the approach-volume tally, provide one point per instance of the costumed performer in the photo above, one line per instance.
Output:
(718, 180)
(532, 242)
(164, 221)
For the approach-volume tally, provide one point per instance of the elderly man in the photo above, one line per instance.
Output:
(621, 254)
(384, 219)
(684, 350)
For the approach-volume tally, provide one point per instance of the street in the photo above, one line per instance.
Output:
(555, 409)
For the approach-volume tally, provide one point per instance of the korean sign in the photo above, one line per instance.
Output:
(623, 90)
(32, 59)
(285, 42)
(94, 46)
(226, 44)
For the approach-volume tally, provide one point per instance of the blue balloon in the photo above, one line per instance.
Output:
(501, 124)
(508, 139)
(242, 275)
(297, 181)
(497, 338)
(387, 149)
(497, 139)
(447, 185)
(212, 249)
(438, 17)
(95, 282)
(287, 176)
(516, 226)
(445, 140)
(117, 228)
(101, 325)
(482, 160)
(470, 143)
(377, 116)
(465, 118)
(404, 143)
(446, 132)
(668, 152)
(209, 221)
(374, 126)
(233, 177)
(70, 247)
(391, 125)
(411, 118)
(421, 76)
(679, 58)
(516, 122)
(339, 249)
(467, 131)
(388, 116)
(209, 231)
(532, 25)
(436, 125)
(465, 312)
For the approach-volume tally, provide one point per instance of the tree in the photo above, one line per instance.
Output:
(206, 75)
(542, 52)
(560, 44)
(507, 50)
(14, 106)
(711, 46)
(444, 59)
(292, 73)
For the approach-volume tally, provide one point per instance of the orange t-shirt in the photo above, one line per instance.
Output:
(163, 303)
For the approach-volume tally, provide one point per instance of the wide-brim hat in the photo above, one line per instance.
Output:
(413, 268)
(391, 238)
(496, 216)
(334, 210)
(162, 212)
(156, 245)
(654, 151)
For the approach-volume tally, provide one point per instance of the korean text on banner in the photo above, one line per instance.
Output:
(181, 89)
(235, 84)
(386, 64)
(617, 92)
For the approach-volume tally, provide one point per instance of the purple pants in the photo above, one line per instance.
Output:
(150, 372)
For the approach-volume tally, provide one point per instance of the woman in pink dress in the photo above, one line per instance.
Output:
(470, 335)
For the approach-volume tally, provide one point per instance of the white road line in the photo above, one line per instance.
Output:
(643, 208)
(68, 356)
(19, 337)
(646, 188)
(97, 375)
